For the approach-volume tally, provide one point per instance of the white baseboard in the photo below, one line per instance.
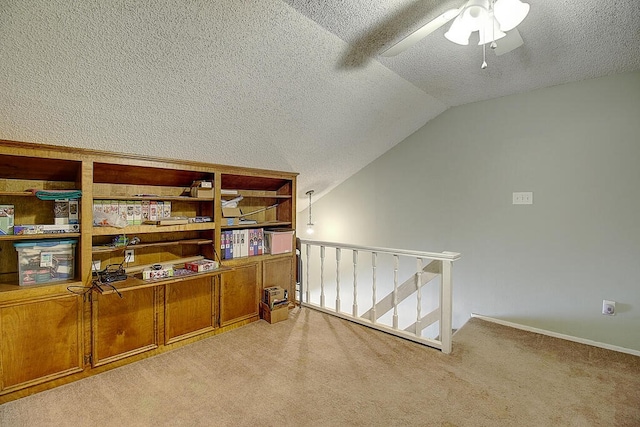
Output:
(557, 335)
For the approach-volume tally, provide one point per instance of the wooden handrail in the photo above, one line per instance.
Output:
(440, 265)
(440, 256)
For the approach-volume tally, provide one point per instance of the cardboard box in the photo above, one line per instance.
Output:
(274, 294)
(201, 265)
(61, 211)
(202, 193)
(162, 273)
(73, 211)
(7, 214)
(230, 221)
(278, 241)
(202, 184)
(231, 216)
(231, 212)
(274, 316)
(45, 229)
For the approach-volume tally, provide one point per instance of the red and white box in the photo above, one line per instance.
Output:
(201, 265)
(163, 272)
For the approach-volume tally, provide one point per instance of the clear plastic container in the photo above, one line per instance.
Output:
(46, 261)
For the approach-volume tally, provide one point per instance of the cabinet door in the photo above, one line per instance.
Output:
(188, 308)
(279, 272)
(124, 326)
(239, 290)
(41, 341)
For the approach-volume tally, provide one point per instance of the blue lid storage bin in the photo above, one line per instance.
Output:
(46, 261)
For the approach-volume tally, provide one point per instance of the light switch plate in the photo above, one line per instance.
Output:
(523, 198)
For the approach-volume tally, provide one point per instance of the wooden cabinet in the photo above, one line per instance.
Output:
(189, 308)
(279, 271)
(41, 340)
(73, 328)
(239, 293)
(124, 325)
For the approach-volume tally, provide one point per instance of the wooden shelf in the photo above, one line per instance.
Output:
(40, 289)
(142, 229)
(154, 197)
(258, 225)
(248, 194)
(103, 249)
(17, 193)
(16, 237)
(133, 283)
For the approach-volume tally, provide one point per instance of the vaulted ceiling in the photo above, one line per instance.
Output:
(290, 85)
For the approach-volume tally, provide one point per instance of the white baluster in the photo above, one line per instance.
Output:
(322, 276)
(395, 291)
(338, 254)
(374, 258)
(419, 297)
(355, 283)
(446, 307)
(308, 285)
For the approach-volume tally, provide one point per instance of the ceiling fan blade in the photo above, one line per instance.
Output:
(421, 33)
(511, 41)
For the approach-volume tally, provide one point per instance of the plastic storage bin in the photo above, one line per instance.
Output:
(46, 261)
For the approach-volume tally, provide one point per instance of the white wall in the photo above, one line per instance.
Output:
(550, 265)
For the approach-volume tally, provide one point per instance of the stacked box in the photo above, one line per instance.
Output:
(201, 265)
(162, 273)
(273, 316)
(61, 211)
(274, 306)
(74, 210)
(45, 229)
(274, 296)
(7, 213)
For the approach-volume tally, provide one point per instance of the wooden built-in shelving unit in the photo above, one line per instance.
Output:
(58, 332)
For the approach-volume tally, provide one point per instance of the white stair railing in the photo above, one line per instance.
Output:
(407, 291)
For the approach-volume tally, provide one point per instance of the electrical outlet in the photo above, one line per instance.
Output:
(523, 198)
(608, 307)
(129, 256)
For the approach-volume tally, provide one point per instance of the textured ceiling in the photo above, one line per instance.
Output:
(291, 85)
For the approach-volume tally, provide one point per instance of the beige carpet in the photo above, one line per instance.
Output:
(317, 370)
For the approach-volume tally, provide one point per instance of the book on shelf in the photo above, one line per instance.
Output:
(241, 243)
(229, 244)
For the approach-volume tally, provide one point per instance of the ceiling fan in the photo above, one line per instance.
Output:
(492, 19)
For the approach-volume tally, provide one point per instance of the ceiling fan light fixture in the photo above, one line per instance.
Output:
(510, 13)
(458, 33)
(474, 14)
(491, 31)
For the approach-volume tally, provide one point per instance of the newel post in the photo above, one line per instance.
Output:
(446, 307)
